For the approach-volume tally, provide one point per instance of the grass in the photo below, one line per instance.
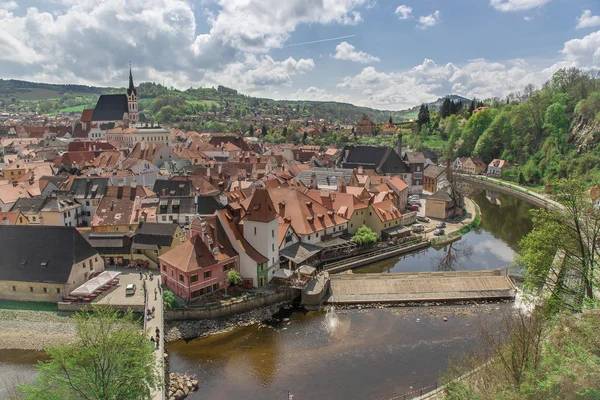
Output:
(27, 305)
(204, 103)
(434, 142)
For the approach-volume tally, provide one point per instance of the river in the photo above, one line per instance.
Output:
(368, 354)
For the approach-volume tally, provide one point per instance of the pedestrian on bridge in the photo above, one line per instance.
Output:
(154, 293)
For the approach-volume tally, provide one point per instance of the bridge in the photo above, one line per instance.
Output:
(422, 287)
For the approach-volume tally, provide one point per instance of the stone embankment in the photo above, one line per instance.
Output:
(34, 330)
(180, 386)
(191, 329)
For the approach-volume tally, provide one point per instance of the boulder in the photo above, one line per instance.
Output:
(179, 395)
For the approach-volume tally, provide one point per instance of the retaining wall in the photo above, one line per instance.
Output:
(523, 194)
(88, 306)
(286, 294)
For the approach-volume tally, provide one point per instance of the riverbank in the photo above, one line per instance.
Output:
(192, 329)
(34, 330)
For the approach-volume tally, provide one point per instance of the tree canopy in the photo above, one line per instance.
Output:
(364, 235)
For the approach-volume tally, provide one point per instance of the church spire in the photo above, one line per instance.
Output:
(131, 88)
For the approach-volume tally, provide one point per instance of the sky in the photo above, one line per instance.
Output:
(377, 53)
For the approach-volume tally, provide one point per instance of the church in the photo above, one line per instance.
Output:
(111, 111)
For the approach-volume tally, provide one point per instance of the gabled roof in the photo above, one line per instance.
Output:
(260, 208)
(384, 160)
(441, 194)
(57, 248)
(433, 171)
(110, 107)
(325, 176)
(207, 205)
(9, 217)
(29, 206)
(87, 115)
(415, 157)
(177, 205)
(230, 225)
(386, 211)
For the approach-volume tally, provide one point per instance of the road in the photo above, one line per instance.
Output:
(150, 328)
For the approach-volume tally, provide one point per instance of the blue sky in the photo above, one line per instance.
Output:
(396, 54)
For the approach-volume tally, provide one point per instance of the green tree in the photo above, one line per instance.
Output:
(571, 232)
(474, 128)
(264, 131)
(364, 235)
(234, 278)
(169, 299)
(110, 360)
(423, 116)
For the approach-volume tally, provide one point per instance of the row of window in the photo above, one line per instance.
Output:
(206, 290)
(14, 289)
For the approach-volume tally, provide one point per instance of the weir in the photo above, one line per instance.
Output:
(422, 286)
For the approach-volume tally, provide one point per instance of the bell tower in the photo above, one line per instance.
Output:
(132, 99)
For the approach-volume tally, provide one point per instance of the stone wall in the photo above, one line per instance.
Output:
(31, 291)
(284, 294)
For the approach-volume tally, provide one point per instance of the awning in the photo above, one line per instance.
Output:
(95, 283)
(283, 273)
(398, 230)
(306, 270)
(300, 252)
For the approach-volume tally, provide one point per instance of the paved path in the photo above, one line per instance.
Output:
(422, 286)
(150, 326)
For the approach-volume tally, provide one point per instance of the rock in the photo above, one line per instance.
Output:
(286, 320)
(445, 319)
(179, 395)
(186, 390)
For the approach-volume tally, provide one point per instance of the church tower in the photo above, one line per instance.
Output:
(132, 100)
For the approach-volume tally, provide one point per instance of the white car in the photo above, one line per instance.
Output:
(418, 228)
(130, 289)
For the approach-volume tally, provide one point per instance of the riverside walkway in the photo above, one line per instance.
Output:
(150, 329)
(422, 286)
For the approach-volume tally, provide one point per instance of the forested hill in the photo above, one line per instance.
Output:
(180, 105)
(547, 133)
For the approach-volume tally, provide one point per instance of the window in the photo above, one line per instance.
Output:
(207, 274)
(194, 278)
(196, 293)
(69, 214)
(254, 231)
(227, 267)
(370, 213)
(215, 286)
(180, 277)
(65, 215)
(57, 290)
(31, 288)
(317, 234)
(14, 288)
(172, 273)
(308, 237)
(21, 220)
(33, 218)
(164, 217)
(45, 290)
(95, 259)
(273, 233)
(272, 246)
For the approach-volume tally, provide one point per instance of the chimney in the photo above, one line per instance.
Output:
(215, 251)
(112, 205)
(220, 168)
(360, 170)
(208, 172)
(133, 183)
(399, 149)
(153, 146)
(313, 180)
(164, 192)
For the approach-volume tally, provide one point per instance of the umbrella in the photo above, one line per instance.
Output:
(283, 273)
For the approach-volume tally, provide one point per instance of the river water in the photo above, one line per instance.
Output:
(368, 354)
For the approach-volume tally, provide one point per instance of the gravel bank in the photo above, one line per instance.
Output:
(34, 330)
(191, 329)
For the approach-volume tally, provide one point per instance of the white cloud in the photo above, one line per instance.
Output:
(317, 94)
(528, 18)
(584, 52)
(430, 20)
(345, 51)
(8, 5)
(91, 41)
(587, 20)
(517, 5)
(428, 81)
(404, 12)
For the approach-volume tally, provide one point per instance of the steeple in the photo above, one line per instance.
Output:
(131, 88)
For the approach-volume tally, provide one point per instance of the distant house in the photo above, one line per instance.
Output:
(496, 167)
(416, 162)
(433, 178)
(153, 240)
(469, 165)
(441, 205)
(62, 261)
(366, 127)
(383, 160)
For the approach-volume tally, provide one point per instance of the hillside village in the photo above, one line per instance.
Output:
(193, 206)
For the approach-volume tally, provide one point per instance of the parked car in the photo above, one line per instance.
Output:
(418, 228)
(414, 198)
(130, 289)
(420, 218)
(414, 207)
(441, 225)
(439, 232)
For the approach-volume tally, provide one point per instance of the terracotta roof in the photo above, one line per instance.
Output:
(9, 217)
(260, 208)
(344, 204)
(397, 183)
(231, 226)
(86, 115)
(498, 163)
(386, 211)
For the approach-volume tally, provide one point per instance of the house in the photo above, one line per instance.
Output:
(155, 153)
(496, 167)
(254, 267)
(61, 210)
(434, 177)
(441, 205)
(13, 218)
(345, 205)
(383, 216)
(416, 163)
(88, 192)
(62, 261)
(31, 208)
(176, 209)
(469, 165)
(153, 240)
(382, 160)
(325, 178)
(113, 247)
(366, 127)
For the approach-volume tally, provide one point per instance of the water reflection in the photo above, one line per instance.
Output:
(492, 245)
